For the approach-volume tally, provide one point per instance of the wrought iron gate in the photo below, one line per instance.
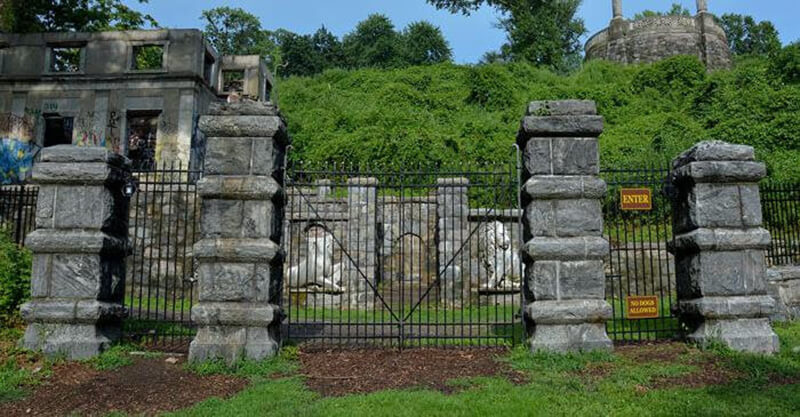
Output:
(402, 257)
(639, 264)
(163, 222)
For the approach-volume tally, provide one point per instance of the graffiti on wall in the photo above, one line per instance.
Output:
(114, 131)
(87, 133)
(17, 147)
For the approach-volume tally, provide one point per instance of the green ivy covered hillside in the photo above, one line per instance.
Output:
(448, 115)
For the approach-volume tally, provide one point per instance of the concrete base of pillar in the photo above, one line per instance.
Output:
(564, 338)
(72, 341)
(233, 343)
(235, 331)
(745, 335)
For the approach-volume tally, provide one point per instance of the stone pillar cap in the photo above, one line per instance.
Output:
(715, 150)
(562, 108)
(243, 108)
(82, 154)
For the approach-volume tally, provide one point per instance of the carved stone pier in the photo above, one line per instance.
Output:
(241, 263)
(79, 250)
(719, 247)
(564, 285)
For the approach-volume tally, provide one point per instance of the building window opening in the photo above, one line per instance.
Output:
(57, 129)
(233, 81)
(148, 57)
(208, 67)
(64, 59)
(142, 133)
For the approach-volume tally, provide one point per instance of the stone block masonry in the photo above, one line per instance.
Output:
(719, 247)
(79, 249)
(453, 231)
(565, 308)
(361, 263)
(239, 254)
(783, 284)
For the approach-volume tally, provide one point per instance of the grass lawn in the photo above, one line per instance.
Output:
(587, 384)
(670, 380)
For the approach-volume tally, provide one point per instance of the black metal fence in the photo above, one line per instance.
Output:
(781, 207)
(160, 290)
(18, 210)
(422, 287)
(402, 258)
(639, 264)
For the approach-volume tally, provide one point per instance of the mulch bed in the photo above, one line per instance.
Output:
(711, 370)
(338, 373)
(148, 387)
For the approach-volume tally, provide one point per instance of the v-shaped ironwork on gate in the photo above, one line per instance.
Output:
(409, 258)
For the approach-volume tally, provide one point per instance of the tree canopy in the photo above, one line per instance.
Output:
(374, 43)
(542, 32)
(234, 31)
(748, 37)
(545, 33)
(26, 16)
(676, 10)
(424, 43)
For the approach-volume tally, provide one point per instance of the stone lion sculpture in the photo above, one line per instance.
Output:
(317, 268)
(498, 257)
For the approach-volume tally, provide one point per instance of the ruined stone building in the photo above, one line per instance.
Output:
(139, 93)
(655, 38)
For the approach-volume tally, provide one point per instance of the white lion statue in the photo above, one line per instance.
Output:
(498, 256)
(318, 267)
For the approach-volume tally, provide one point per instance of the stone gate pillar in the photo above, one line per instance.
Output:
(79, 249)
(719, 247)
(452, 209)
(564, 286)
(239, 254)
(362, 206)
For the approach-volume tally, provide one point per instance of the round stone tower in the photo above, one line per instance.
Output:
(655, 38)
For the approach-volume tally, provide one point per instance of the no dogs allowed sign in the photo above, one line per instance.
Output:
(641, 307)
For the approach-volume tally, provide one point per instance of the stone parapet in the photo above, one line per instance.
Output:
(240, 269)
(564, 284)
(79, 250)
(655, 38)
(719, 247)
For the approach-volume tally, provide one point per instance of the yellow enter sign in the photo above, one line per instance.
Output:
(636, 199)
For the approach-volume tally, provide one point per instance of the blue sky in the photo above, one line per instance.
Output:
(470, 37)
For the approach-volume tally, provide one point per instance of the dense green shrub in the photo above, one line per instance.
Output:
(786, 63)
(491, 87)
(672, 76)
(15, 277)
(445, 115)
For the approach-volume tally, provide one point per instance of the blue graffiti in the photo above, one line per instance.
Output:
(16, 160)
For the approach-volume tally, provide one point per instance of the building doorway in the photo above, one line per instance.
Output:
(142, 134)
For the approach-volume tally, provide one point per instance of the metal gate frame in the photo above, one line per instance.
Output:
(638, 263)
(394, 310)
(160, 286)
